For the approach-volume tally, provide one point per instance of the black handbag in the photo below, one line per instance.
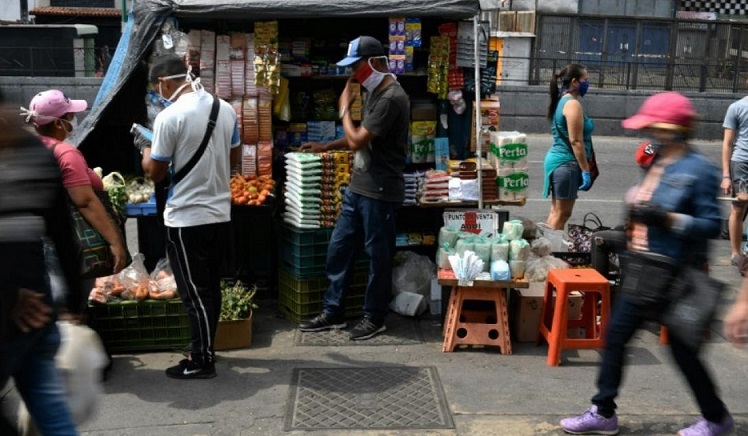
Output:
(581, 235)
(647, 279)
(693, 301)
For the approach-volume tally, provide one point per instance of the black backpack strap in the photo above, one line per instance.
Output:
(176, 178)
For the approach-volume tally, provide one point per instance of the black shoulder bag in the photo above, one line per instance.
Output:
(162, 188)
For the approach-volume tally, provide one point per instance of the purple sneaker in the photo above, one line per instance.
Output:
(590, 422)
(702, 427)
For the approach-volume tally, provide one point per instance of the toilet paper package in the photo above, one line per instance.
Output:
(513, 184)
(508, 150)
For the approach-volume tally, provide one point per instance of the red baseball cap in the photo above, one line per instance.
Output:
(666, 110)
(47, 106)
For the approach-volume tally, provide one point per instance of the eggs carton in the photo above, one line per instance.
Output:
(513, 184)
(508, 150)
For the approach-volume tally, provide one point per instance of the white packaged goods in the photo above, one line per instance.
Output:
(519, 249)
(513, 184)
(508, 150)
(512, 230)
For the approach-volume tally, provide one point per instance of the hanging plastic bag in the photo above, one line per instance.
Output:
(80, 359)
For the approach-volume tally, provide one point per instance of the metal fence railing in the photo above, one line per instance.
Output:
(644, 53)
(83, 60)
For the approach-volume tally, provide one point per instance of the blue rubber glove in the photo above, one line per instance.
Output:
(586, 181)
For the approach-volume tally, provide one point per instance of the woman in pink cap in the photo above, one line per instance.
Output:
(673, 212)
(54, 117)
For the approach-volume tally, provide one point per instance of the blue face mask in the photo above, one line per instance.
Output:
(584, 87)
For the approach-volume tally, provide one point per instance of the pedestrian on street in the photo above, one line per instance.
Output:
(33, 207)
(735, 172)
(566, 166)
(376, 190)
(196, 139)
(673, 212)
(54, 116)
(736, 320)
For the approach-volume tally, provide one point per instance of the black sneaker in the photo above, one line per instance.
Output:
(321, 322)
(366, 329)
(187, 369)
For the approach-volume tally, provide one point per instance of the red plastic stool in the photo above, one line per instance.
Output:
(554, 324)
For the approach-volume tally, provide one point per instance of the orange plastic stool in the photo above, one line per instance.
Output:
(477, 327)
(554, 324)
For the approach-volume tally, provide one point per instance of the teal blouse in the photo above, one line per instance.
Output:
(560, 152)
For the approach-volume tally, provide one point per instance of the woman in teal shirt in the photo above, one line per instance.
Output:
(566, 169)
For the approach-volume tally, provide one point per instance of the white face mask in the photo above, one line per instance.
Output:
(194, 83)
(375, 77)
(73, 123)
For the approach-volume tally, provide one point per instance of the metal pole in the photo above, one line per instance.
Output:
(24, 6)
(476, 63)
(124, 14)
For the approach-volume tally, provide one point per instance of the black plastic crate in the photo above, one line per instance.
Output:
(574, 259)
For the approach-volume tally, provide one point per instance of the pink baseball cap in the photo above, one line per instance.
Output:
(49, 105)
(666, 110)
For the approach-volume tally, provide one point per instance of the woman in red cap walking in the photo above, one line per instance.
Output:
(673, 212)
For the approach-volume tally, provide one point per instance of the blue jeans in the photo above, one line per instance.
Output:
(626, 319)
(30, 360)
(373, 222)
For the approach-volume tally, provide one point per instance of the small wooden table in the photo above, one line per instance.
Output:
(472, 327)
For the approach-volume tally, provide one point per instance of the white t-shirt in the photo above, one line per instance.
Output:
(203, 195)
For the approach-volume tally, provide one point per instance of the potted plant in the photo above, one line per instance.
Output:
(235, 322)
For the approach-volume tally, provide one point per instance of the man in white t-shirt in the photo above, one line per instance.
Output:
(198, 213)
(735, 172)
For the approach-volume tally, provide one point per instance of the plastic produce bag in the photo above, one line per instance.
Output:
(442, 257)
(464, 245)
(536, 268)
(558, 241)
(500, 271)
(80, 359)
(166, 284)
(135, 279)
(500, 251)
(483, 250)
(541, 247)
(517, 268)
(519, 249)
(448, 235)
(513, 229)
(412, 273)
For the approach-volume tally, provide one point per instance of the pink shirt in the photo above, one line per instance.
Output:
(75, 170)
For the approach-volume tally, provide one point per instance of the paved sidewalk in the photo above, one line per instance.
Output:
(486, 392)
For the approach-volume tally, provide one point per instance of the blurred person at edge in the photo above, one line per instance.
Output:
(32, 207)
(54, 117)
(672, 212)
(735, 173)
(376, 190)
(198, 214)
(566, 169)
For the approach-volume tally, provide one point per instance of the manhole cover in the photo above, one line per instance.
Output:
(367, 398)
(400, 331)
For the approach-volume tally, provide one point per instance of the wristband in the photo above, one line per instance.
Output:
(725, 177)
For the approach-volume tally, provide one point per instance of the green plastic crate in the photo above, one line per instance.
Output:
(151, 325)
(313, 265)
(297, 313)
(305, 237)
(314, 285)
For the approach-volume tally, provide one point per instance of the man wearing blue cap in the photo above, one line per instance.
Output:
(376, 190)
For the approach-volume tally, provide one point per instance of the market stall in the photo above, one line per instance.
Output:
(270, 60)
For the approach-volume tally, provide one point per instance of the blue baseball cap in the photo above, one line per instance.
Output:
(362, 47)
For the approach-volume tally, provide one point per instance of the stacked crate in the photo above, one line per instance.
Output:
(301, 277)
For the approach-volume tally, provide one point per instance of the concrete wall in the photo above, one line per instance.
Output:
(18, 91)
(524, 109)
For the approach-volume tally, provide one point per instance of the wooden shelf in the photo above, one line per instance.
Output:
(447, 278)
(473, 203)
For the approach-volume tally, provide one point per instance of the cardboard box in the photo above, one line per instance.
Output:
(526, 306)
(233, 334)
